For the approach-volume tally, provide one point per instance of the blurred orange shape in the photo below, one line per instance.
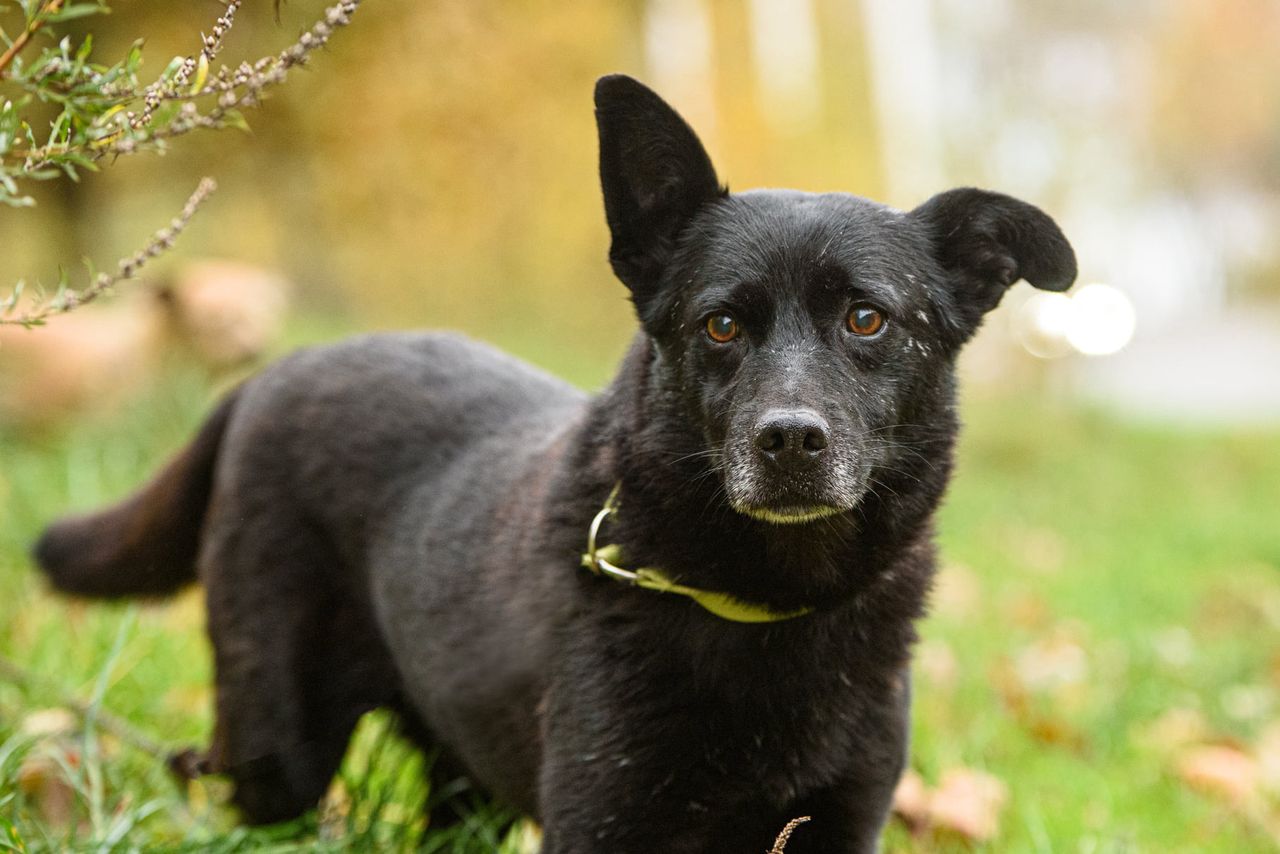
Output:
(968, 803)
(44, 783)
(911, 800)
(1269, 757)
(1222, 771)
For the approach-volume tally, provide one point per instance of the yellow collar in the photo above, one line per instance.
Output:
(603, 560)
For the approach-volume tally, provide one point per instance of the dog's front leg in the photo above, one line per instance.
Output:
(586, 809)
(625, 781)
(844, 819)
(662, 827)
(849, 815)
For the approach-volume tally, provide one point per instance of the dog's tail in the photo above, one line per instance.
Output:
(146, 545)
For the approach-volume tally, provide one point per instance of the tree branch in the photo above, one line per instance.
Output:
(48, 8)
(209, 48)
(128, 268)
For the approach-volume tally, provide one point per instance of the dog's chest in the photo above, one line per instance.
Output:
(765, 716)
(794, 728)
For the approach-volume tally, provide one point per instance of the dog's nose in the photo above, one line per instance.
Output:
(791, 438)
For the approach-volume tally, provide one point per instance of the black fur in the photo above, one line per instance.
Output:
(397, 521)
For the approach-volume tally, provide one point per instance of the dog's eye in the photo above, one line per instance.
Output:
(722, 328)
(865, 320)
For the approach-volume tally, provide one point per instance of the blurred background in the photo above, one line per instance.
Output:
(1106, 642)
(437, 167)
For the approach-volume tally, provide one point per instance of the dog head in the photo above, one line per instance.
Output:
(800, 333)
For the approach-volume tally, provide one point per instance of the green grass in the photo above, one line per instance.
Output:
(1097, 575)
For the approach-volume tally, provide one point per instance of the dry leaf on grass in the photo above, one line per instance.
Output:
(911, 800)
(44, 784)
(966, 803)
(1220, 770)
(1040, 716)
(42, 774)
(969, 803)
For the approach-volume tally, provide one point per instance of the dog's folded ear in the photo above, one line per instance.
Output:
(655, 175)
(986, 242)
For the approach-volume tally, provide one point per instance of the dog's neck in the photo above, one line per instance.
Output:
(675, 514)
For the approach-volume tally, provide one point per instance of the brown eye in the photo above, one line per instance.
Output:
(722, 328)
(865, 320)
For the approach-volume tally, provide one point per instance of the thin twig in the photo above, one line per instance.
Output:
(128, 268)
(117, 728)
(780, 844)
(267, 72)
(210, 45)
(48, 8)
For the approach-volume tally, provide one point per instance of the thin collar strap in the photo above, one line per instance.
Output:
(604, 560)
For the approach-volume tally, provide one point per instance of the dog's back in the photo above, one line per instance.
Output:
(293, 483)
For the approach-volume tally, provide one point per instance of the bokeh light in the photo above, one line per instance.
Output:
(1095, 320)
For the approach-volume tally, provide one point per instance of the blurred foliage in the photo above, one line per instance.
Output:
(102, 112)
(441, 169)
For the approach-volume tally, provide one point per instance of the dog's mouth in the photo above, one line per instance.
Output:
(781, 503)
(790, 515)
(760, 489)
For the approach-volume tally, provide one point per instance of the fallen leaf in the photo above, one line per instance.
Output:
(911, 800)
(1052, 730)
(1220, 770)
(969, 803)
(44, 784)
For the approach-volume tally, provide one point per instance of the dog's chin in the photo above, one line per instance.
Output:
(797, 499)
(793, 515)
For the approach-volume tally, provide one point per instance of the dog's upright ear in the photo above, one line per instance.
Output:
(655, 175)
(986, 242)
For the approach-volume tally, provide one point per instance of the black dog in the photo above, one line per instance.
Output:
(401, 521)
